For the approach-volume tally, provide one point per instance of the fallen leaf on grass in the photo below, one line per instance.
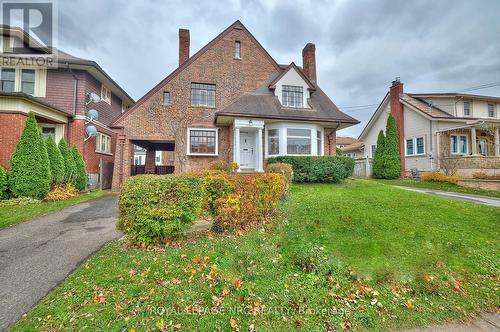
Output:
(233, 323)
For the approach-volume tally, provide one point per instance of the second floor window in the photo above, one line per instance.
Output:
(466, 108)
(28, 81)
(105, 94)
(166, 98)
(203, 95)
(292, 96)
(8, 79)
(491, 110)
(237, 50)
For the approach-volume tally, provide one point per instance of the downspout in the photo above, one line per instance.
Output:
(330, 139)
(75, 89)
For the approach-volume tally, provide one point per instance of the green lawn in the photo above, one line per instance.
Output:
(361, 255)
(11, 215)
(445, 186)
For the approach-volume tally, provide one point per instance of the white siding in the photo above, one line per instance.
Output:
(417, 125)
(370, 138)
(292, 78)
(446, 104)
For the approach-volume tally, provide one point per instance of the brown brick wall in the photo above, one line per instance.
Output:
(11, 128)
(397, 112)
(216, 66)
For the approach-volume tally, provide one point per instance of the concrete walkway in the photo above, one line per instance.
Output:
(486, 322)
(38, 254)
(457, 196)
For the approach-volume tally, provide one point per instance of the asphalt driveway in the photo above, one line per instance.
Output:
(38, 254)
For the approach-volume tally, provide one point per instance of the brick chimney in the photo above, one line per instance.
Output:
(309, 61)
(183, 46)
(395, 91)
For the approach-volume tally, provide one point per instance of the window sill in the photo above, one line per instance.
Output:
(201, 155)
(104, 153)
(200, 106)
(235, 58)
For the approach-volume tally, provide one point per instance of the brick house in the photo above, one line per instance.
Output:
(440, 131)
(230, 101)
(59, 96)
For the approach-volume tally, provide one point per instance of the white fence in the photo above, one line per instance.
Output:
(363, 168)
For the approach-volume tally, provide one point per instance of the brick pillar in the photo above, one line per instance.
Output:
(330, 142)
(184, 42)
(150, 161)
(123, 158)
(397, 112)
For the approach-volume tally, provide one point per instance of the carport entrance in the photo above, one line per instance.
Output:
(154, 163)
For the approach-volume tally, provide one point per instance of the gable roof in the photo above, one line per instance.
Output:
(298, 70)
(266, 105)
(345, 140)
(236, 25)
(424, 107)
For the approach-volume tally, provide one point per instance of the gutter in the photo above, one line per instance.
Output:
(75, 89)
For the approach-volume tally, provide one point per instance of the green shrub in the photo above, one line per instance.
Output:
(154, 208)
(214, 186)
(56, 161)
(284, 169)
(3, 184)
(81, 172)
(378, 158)
(317, 169)
(30, 171)
(392, 157)
(69, 162)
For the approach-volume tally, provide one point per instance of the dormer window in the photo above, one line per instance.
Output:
(293, 96)
(237, 50)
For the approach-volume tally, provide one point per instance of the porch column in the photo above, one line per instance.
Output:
(260, 154)
(150, 165)
(473, 139)
(497, 142)
(237, 146)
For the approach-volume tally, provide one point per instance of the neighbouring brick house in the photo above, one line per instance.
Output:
(454, 132)
(59, 96)
(231, 101)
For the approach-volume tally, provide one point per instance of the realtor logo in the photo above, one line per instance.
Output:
(28, 32)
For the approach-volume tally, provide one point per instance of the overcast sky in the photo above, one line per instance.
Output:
(361, 46)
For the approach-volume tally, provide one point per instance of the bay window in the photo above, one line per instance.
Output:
(273, 141)
(319, 142)
(298, 141)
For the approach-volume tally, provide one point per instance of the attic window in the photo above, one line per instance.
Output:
(166, 98)
(292, 96)
(237, 49)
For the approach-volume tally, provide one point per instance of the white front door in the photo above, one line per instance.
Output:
(247, 149)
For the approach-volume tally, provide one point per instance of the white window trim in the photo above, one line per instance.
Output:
(414, 154)
(216, 130)
(466, 145)
(470, 108)
(237, 56)
(494, 110)
(98, 143)
(124, 107)
(267, 142)
(104, 94)
(283, 138)
(283, 99)
(372, 151)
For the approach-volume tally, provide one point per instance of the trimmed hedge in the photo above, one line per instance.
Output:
(81, 171)
(30, 171)
(3, 184)
(153, 208)
(56, 161)
(317, 169)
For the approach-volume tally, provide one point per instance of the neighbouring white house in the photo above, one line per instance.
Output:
(440, 131)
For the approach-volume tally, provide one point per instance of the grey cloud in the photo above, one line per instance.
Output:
(361, 46)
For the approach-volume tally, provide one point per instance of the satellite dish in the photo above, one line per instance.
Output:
(92, 114)
(94, 97)
(91, 131)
